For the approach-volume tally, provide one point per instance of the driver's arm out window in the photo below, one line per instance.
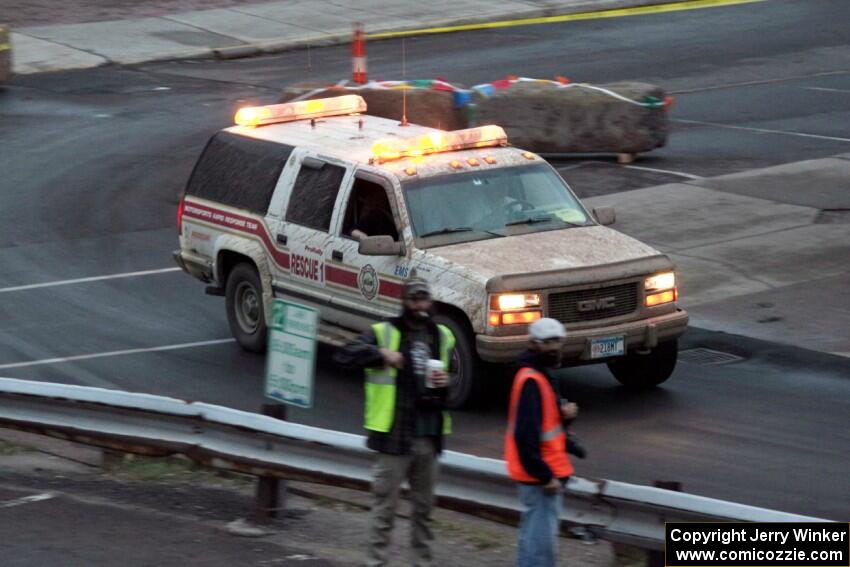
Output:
(368, 212)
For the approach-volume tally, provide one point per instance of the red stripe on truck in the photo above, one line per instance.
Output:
(256, 227)
(390, 289)
(239, 223)
(340, 276)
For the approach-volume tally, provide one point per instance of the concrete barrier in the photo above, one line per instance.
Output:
(427, 107)
(542, 116)
(547, 118)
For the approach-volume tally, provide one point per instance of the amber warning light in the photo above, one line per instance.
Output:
(436, 142)
(301, 110)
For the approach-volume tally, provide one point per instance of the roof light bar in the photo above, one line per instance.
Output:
(436, 142)
(301, 110)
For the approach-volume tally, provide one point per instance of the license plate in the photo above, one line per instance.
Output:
(607, 346)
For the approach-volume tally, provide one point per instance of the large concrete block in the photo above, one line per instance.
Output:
(5, 54)
(427, 107)
(541, 117)
(547, 118)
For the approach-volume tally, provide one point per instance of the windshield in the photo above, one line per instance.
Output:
(489, 204)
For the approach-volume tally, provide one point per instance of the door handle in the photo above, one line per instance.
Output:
(336, 255)
(281, 238)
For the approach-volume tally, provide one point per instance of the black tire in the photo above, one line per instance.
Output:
(464, 387)
(245, 309)
(643, 371)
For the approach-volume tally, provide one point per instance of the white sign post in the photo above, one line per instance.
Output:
(291, 359)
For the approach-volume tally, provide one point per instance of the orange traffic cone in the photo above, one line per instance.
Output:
(358, 56)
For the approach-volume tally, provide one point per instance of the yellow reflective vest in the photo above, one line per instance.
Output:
(381, 382)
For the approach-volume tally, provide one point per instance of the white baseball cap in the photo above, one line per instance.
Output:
(546, 328)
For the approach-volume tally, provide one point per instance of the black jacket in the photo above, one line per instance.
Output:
(418, 410)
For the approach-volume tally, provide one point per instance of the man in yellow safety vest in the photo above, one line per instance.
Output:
(404, 416)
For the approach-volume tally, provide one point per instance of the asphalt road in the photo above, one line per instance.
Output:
(92, 163)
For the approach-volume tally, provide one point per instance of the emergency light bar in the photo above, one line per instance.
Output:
(303, 109)
(436, 142)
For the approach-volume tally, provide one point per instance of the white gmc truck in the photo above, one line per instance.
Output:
(317, 202)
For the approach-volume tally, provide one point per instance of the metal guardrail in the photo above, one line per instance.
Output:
(267, 447)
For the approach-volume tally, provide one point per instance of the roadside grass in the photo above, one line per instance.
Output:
(181, 469)
(628, 556)
(7, 449)
(168, 469)
(333, 503)
(478, 537)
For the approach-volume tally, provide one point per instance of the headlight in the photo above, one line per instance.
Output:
(496, 319)
(510, 301)
(660, 289)
(661, 297)
(660, 282)
(514, 309)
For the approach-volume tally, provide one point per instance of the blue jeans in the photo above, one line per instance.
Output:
(538, 528)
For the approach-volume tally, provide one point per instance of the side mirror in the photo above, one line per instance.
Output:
(312, 163)
(382, 245)
(605, 215)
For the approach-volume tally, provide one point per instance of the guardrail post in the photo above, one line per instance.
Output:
(656, 558)
(268, 493)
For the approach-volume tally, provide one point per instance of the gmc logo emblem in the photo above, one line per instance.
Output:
(596, 304)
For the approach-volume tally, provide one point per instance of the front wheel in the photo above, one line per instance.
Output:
(463, 362)
(245, 309)
(643, 371)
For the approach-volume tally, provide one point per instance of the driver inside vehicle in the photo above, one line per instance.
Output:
(372, 215)
(491, 204)
(499, 206)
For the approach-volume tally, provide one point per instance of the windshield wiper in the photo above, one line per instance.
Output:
(530, 220)
(535, 220)
(447, 230)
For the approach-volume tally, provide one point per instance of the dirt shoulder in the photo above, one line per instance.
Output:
(168, 512)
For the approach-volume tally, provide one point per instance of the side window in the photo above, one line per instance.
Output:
(238, 171)
(368, 212)
(311, 203)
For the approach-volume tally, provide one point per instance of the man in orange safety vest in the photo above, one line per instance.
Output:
(536, 443)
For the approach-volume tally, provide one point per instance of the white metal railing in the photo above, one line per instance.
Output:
(267, 447)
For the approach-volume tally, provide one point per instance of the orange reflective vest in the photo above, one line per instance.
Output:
(553, 439)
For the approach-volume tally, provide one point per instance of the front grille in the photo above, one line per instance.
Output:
(600, 303)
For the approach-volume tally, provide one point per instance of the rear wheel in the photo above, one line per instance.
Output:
(464, 361)
(245, 309)
(642, 371)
